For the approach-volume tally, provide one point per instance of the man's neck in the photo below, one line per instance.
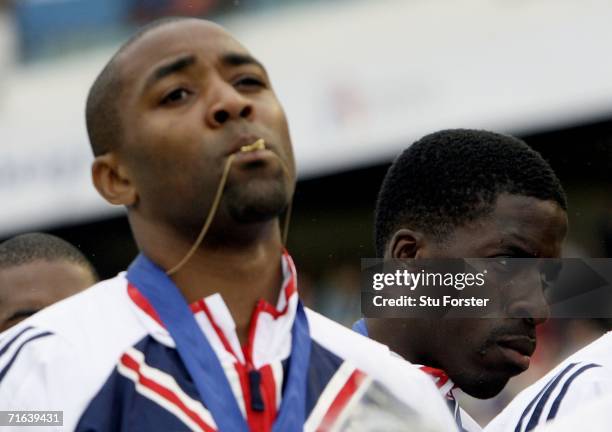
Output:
(402, 338)
(241, 273)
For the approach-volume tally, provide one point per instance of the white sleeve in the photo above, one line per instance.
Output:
(574, 385)
(590, 385)
(40, 372)
(596, 413)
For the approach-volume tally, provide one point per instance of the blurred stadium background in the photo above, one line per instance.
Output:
(360, 80)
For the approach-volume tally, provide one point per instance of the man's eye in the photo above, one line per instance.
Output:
(502, 265)
(546, 282)
(250, 82)
(549, 273)
(175, 96)
(502, 262)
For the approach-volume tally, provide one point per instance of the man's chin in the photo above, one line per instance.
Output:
(256, 213)
(259, 206)
(483, 387)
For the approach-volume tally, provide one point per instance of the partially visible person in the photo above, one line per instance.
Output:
(470, 194)
(37, 270)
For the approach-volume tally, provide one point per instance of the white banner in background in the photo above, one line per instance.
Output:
(45, 187)
(360, 80)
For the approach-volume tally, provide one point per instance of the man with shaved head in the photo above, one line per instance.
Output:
(37, 270)
(205, 331)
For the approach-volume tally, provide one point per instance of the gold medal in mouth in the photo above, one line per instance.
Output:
(260, 144)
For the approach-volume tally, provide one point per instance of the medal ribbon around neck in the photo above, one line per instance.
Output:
(202, 362)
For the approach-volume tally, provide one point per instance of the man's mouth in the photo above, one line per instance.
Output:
(247, 143)
(260, 144)
(517, 349)
(252, 151)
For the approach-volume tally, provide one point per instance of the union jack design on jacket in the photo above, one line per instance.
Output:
(106, 360)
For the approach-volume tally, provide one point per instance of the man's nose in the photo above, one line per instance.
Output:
(227, 103)
(528, 301)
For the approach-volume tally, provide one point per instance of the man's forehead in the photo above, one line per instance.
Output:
(527, 210)
(535, 224)
(174, 38)
(41, 269)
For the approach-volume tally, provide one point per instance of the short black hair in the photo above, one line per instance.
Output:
(102, 115)
(449, 178)
(27, 248)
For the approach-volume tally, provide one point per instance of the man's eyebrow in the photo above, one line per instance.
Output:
(168, 69)
(238, 59)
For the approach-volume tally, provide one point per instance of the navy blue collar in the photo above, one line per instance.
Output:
(202, 362)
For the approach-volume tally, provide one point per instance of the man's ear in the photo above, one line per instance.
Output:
(112, 181)
(404, 244)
